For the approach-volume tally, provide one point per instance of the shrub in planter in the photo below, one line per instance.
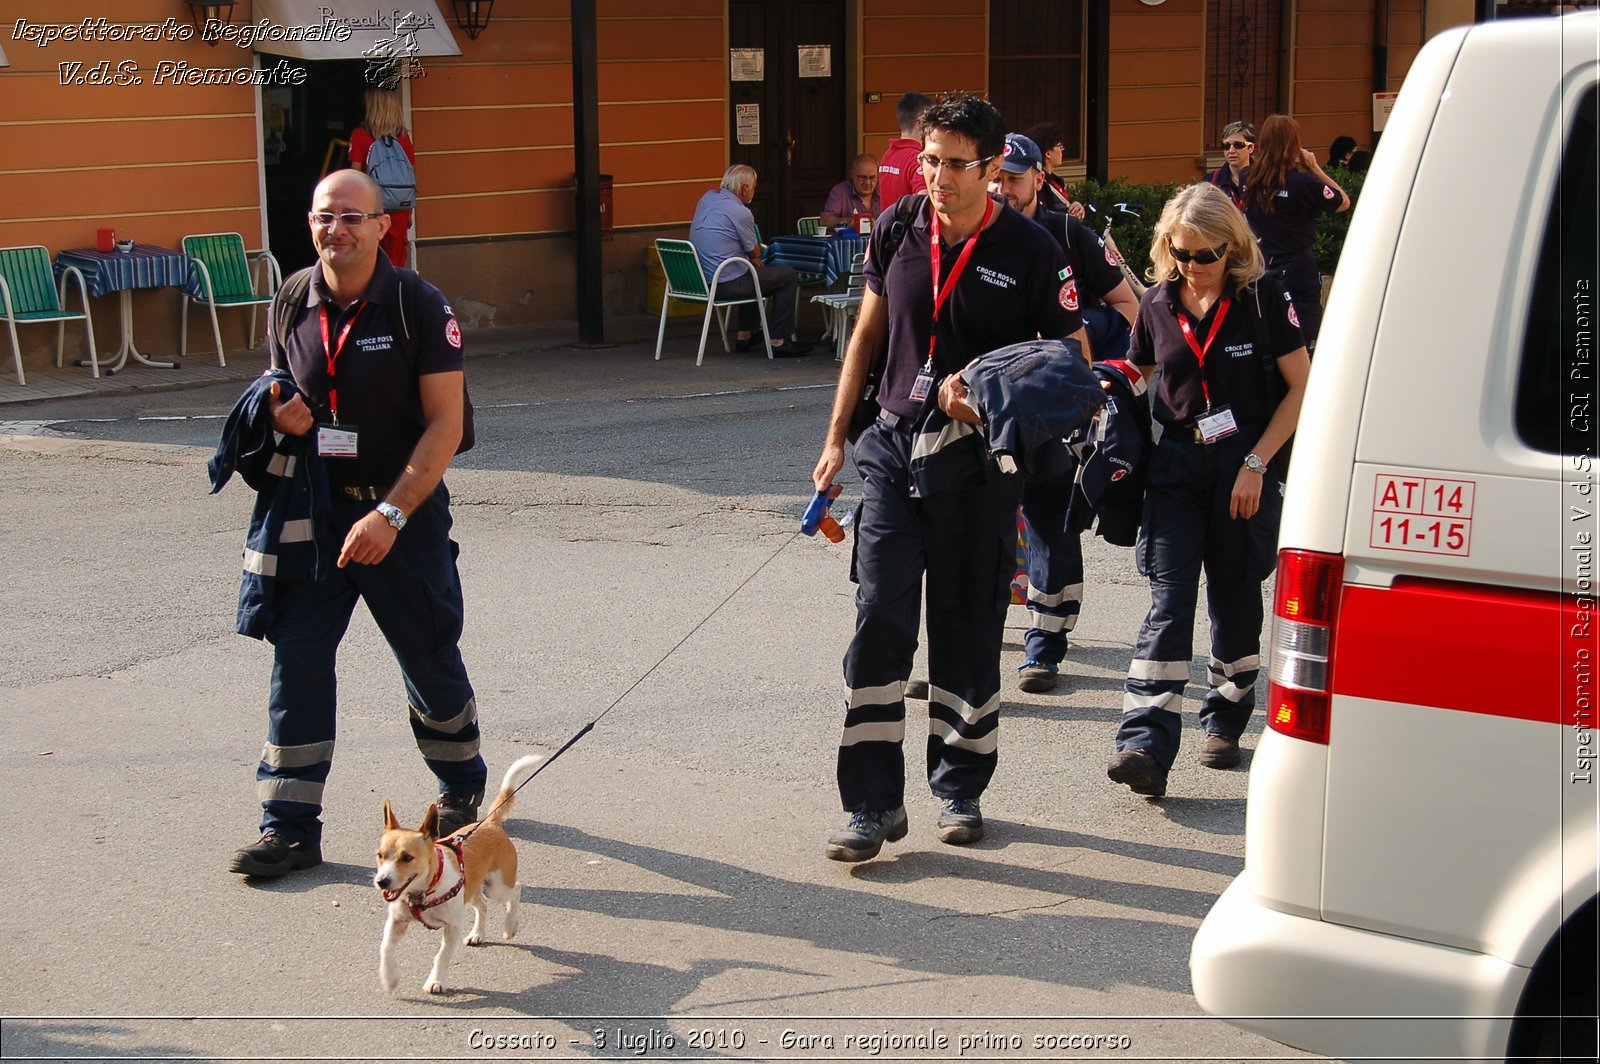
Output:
(1132, 232)
(1331, 228)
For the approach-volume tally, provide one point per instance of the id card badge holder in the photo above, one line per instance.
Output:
(923, 385)
(1216, 424)
(336, 441)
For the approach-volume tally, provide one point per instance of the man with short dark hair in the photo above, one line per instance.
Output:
(386, 427)
(858, 194)
(898, 172)
(1106, 301)
(723, 228)
(1000, 279)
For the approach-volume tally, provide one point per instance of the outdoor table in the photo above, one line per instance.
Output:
(146, 266)
(827, 257)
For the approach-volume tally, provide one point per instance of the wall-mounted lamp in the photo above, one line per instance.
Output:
(205, 13)
(472, 15)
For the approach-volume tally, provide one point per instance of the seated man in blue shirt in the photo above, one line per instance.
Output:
(723, 228)
(856, 195)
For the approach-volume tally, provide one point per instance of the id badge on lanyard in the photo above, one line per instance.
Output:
(337, 440)
(1216, 423)
(923, 385)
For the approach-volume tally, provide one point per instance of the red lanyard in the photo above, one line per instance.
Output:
(941, 294)
(1194, 345)
(332, 353)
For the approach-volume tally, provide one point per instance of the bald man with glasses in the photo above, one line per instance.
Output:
(377, 365)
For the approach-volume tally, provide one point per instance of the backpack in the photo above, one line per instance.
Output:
(390, 167)
(867, 408)
(292, 296)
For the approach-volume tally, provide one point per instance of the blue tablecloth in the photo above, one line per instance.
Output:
(146, 266)
(826, 256)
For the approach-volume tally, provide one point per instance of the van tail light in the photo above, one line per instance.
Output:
(1304, 608)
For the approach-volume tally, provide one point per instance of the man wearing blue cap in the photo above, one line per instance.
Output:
(1107, 304)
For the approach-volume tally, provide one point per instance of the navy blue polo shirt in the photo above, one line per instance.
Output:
(1233, 369)
(1014, 288)
(377, 386)
(1222, 177)
(1290, 228)
(1091, 265)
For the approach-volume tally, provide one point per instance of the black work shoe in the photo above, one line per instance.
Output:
(746, 345)
(1139, 771)
(1036, 677)
(456, 813)
(273, 856)
(917, 689)
(790, 348)
(1219, 752)
(960, 822)
(866, 833)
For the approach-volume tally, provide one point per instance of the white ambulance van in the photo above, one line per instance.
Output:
(1420, 873)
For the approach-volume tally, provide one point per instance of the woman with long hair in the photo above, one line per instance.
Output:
(384, 119)
(1283, 195)
(1211, 500)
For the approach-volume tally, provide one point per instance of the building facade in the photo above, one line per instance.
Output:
(136, 125)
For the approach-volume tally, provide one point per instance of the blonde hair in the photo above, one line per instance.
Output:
(384, 118)
(1208, 211)
(738, 177)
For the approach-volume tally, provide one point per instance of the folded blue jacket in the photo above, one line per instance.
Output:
(291, 534)
(1031, 396)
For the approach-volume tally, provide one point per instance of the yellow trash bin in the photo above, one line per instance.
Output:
(656, 286)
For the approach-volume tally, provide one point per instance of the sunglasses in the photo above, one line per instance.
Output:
(1235, 145)
(1203, 257)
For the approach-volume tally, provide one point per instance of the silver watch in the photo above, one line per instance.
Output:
(391, 513)
(1253, 462)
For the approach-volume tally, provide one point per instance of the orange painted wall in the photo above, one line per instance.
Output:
(927, 46)
(1333, 64)
(1156, 99)
(152, 161)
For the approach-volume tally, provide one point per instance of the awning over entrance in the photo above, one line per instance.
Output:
(316, 29)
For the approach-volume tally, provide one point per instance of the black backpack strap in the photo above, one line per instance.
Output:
(290, 297)
(410, 282)
(905, 212)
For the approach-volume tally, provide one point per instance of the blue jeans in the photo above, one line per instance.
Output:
(414, 595)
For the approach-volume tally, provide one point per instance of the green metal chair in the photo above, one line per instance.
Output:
(808, 225)
(223, 278)
(680, 263)
(29, 294)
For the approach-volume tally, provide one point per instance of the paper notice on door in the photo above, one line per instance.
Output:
(747, 122)
(747, 64)
(816, 60)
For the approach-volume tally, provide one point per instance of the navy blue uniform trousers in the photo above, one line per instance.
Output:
(1055, 567)
(1302, 277)
(414, 595)
(1187, 530)
(964, 542)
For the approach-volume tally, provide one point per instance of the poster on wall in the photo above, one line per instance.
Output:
(747, 123)
(747, 64)
(816, 60)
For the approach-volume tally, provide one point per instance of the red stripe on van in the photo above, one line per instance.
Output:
(1505, 653)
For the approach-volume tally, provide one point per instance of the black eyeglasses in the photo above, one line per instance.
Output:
(1203, 257)
(349, 219)
(1236, 145)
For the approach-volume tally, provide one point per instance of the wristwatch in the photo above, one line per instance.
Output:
(391, 513)
(1252, 462)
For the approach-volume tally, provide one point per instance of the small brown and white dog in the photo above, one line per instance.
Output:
(431, 881)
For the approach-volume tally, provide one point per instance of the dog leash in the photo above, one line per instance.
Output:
(587, 728)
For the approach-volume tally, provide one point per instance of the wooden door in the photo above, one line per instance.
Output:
(798, 123)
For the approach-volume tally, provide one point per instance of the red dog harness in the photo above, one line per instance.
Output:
(417, 908)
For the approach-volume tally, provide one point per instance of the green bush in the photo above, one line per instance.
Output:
(1331, 229)
(1133, 234)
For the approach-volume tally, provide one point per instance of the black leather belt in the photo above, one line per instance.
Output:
(1184, 431)
(365, 492)
(894, 421)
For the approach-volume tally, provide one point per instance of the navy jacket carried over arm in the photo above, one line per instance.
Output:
(290, 527)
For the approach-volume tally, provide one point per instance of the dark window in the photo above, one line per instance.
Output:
(1556, 387)
(1242, 64)
(1036, 66)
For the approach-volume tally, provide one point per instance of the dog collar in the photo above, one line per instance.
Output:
(453, 845)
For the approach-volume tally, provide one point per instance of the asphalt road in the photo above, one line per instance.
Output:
(629, 548)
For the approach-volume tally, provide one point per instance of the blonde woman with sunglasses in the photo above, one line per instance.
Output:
(1211, 499)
